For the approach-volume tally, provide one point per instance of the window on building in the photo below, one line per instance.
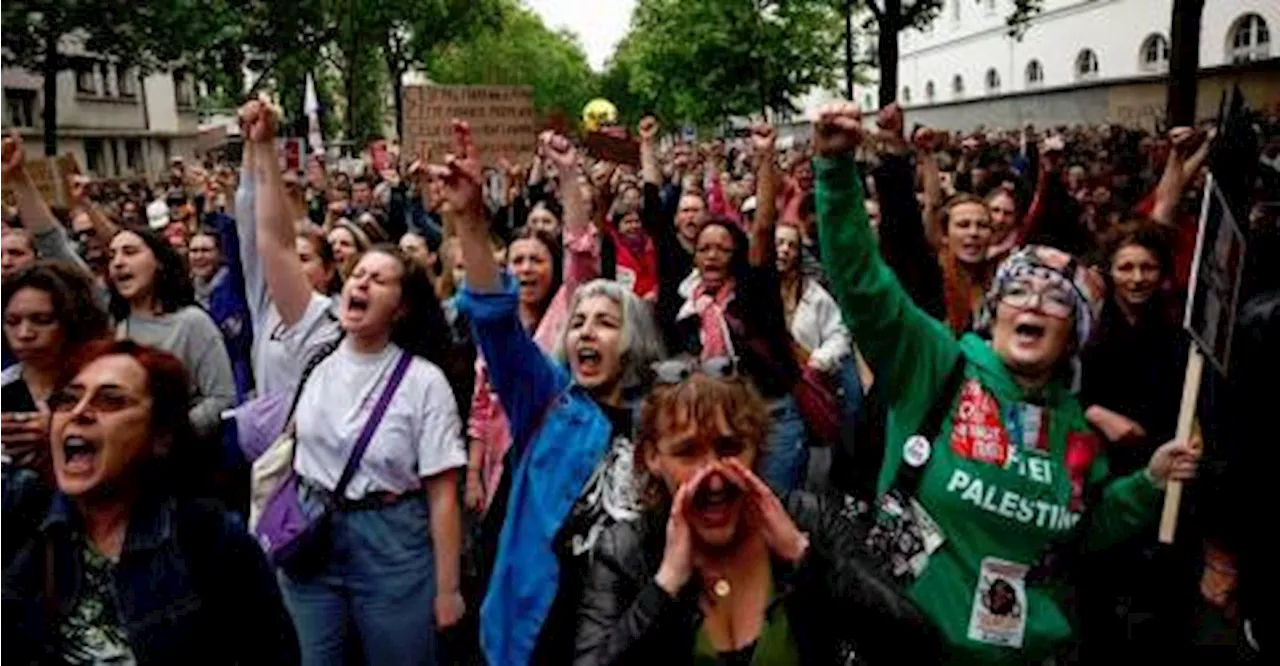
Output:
(957, 85)
(1249, 39)
(1035, 73)
(993, 80)
(127, 81)
(86, 77)
(866, 101)
(183, 88)
(94, 156)
(1154, 55)
(105, 72)
(19, 107)
(133, 155)
(929, 92)
(1086, 65)
(906, 94)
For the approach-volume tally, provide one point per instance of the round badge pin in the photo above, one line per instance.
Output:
(916, 451)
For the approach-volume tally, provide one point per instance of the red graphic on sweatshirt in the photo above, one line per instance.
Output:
(1082, 450)
(977, 432)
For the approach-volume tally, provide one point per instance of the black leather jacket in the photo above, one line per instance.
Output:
(840, 610)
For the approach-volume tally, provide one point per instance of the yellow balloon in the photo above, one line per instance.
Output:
(598, 112)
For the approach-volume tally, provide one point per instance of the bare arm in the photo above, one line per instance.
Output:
(446, 536)
(649, 167)
(461, 192)
(277, 251)
(762, 249)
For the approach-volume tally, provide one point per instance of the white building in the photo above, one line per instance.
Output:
(114, 120)
(1079, 61)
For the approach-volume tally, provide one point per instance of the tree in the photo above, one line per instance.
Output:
(893, 16)
(148, 34)
(407, 32)
(703, 61)
(521, 51)
(1184, 61)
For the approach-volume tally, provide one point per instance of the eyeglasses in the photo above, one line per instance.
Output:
(677, 370)
(1050, 301)
(103, 401)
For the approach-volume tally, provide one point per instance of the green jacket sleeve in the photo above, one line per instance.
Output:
(910, 352)
(1127, 505)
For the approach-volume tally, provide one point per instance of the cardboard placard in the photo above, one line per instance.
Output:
(51, 176)
(616, 149)
(1216, 272)
(501, 119)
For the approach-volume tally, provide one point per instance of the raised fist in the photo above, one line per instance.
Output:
(838, 128)
(648, 128)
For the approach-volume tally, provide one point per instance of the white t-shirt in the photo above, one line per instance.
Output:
(281, 352)
(419, 436)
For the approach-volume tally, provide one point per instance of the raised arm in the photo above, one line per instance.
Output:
(762, 252)
(49, 236)
(906, 347)
(1179, 169)
(277, 250)
(581, 246)
(524, 378)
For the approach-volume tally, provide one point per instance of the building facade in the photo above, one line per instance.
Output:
(1079, 62)
(116, 121)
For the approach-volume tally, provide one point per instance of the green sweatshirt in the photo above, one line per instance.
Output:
(1004, 480)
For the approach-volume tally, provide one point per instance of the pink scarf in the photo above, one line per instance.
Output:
(714, 331)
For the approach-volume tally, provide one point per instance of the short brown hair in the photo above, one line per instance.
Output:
(698, 399)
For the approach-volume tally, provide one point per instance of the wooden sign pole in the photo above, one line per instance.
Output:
(1186, 424)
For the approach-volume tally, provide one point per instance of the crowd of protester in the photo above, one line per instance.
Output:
(882, 396)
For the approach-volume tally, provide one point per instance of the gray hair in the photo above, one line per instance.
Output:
(641, 342)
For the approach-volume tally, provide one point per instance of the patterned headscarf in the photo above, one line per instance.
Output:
(1060, 269)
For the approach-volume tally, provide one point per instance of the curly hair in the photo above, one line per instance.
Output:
(696, 404)
(171, 283)
(1142, 233)
(72, 294)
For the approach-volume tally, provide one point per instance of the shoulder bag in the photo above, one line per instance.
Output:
(292, 532)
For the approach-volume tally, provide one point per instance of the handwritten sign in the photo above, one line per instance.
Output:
(611, 148)
(501, 119)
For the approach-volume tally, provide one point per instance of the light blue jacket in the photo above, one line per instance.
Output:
(558, 436)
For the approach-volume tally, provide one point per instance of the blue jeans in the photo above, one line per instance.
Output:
(786, 457)
(379, 582)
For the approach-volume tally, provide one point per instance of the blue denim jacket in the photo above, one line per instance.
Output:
(558, 435)
(191, 586)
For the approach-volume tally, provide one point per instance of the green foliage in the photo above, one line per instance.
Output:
(702, 61)
(521, 51)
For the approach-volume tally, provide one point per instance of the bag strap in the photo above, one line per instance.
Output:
(375, 417)
(312, 363)
(907, 478)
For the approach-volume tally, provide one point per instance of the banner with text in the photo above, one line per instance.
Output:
(501, 119)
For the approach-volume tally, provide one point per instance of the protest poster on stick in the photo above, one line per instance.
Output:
(1210, 318)
(501, 119)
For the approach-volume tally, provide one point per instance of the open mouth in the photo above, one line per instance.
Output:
(589, 360)
(714, 501)
(122, 280)
(357, 304)
(1028, 332)
(79, 455)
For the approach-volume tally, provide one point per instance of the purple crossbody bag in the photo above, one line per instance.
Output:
(295, 535)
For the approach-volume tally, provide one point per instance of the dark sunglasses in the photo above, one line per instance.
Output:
(103, 401)
(677, 370)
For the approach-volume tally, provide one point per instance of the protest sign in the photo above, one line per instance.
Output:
(617, 149)
(47, 174)
(501, 119)
(1216, 271)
